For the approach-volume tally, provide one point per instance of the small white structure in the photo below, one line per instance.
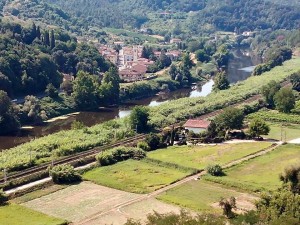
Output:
(197, 126)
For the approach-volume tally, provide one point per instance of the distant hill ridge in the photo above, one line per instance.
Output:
(224, 15)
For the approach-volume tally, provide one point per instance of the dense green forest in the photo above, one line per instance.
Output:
(196, 15)
(32, 57)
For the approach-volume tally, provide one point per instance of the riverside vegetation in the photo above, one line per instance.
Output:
(69, 142)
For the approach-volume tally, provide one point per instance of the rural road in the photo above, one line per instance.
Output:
(118, 208)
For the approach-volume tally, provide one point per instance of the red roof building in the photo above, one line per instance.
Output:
(197, 126)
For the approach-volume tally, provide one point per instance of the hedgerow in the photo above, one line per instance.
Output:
(119, 154)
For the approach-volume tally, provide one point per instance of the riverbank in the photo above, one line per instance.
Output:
(72, 141)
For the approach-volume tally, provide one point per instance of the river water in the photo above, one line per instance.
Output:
(239, 68)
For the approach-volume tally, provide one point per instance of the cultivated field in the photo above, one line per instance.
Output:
(261, 173)
(204, 196)
(135, 176)
(19, 215)
(201, 156)
(88, 203)
(79, 201)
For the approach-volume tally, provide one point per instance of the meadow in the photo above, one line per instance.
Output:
(19, 215)
(199, 157)
(135, 176)
(261, 173)
(201, 195)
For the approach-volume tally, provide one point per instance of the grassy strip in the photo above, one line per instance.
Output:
(19, 215)
(171, 165)
(38, 193)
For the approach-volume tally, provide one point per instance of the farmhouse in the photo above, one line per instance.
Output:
(197, 126)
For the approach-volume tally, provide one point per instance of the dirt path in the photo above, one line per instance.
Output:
(119, 208)
(295, 141)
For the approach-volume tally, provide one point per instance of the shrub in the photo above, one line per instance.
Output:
(64, 174)
(119, 154)
(143, 145)
(215, 170)
(153, 141)
(3, 198)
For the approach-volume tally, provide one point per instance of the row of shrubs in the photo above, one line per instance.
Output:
(119, 154)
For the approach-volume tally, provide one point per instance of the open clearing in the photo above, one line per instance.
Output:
(88, 203)
(135, 176)
(19, 215)
(201, 156)
(203, 196)
(261, 173)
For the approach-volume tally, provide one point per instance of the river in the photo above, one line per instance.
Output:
(239, 68)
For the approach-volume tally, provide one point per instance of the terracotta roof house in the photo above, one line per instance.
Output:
(197, 126)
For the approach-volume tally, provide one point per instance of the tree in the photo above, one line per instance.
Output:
(291, 177)
(52, 40)
(227, 206)
(67, 87)
(111, 86)
(221, 81)
(31, 110)
(295, 80)
(139, 118)
(9, 121)
(153, 141)
(84, 91)
(186, 61)
(279, 207)
(258, 127)
(51, 91)
(46, 38)
(230, 118)
(269, 91)
(202, 56)
(173, 72)
(284, 100)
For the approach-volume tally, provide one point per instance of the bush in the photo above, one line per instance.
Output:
(215, 170)
(143, 145)
(153, 141)
(3, 198)
(119, 154)
(64, 174)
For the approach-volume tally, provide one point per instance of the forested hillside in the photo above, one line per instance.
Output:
(220, 15)
(33, 57)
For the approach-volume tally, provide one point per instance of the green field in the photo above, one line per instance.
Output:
(135, 176)
(289, 132)
(261, 173)
(18, 215)
(199, 195)
(199, 157)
